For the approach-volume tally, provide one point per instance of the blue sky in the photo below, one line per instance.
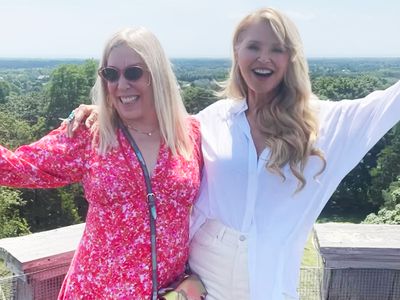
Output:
(186, 28)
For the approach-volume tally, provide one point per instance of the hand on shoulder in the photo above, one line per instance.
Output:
(85, 113)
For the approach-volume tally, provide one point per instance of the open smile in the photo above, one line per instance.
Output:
(263, 72)
(128, 99)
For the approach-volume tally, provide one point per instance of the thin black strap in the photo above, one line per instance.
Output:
(152, 208)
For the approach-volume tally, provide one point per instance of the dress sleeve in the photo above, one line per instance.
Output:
(53, 161)
(350, 128)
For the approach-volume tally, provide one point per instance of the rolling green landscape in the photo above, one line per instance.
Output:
(35, 94)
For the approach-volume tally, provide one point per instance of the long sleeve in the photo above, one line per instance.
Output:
(55, 160)
(351, 128)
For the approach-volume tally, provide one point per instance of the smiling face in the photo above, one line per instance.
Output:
(133, 100)
(262, 61)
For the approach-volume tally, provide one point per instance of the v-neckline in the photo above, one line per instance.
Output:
(127, 150)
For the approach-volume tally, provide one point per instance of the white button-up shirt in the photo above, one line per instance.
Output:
(239, 191)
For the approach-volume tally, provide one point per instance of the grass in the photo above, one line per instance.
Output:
(311, 257)
(311, 274)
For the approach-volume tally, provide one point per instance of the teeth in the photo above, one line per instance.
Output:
(128, 99)
(262, 71)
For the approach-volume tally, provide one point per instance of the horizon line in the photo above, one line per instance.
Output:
(194, 57)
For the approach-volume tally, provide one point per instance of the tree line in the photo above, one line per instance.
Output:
(32, 101)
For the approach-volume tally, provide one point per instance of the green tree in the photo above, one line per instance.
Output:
(4, 91)
(387, 168)
(11, 222)
(69, 86)
(337, 88)
(384, 216)
(390, 213)
(28, 107)
(391, 195)
(13, 132)
(350, 201)
(52, 208)
(197, 98)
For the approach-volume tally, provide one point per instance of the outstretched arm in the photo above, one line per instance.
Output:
(53, 161)
(350, 128)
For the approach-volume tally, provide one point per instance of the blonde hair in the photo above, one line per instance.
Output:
(288, 121)
(170, 110)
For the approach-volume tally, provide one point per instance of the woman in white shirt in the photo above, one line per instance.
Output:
(273, 156)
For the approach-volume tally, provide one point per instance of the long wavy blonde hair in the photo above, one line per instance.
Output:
(288, 122)
(170, 110)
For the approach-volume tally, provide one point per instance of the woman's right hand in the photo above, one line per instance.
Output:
(192, 288)
(84, 113)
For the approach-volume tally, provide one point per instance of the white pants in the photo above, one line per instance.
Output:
(218, 254)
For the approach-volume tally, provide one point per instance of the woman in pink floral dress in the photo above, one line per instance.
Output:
(136, 86)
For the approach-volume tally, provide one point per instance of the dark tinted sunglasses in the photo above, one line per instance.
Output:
(112, 74)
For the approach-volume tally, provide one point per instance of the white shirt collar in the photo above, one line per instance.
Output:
(238, 106)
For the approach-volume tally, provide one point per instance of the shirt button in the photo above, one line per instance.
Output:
(242, 238)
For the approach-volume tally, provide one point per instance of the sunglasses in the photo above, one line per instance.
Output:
(112, 74)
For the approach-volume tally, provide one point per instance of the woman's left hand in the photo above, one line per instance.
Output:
(84, 113)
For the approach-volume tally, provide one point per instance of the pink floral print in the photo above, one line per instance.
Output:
(113, 259)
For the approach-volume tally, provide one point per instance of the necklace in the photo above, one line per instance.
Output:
(148, 133)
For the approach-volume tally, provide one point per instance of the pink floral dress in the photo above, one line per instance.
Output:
(113, 259)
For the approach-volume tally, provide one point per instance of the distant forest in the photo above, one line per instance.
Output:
(34, 94)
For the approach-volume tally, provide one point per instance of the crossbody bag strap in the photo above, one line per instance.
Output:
(152, 209)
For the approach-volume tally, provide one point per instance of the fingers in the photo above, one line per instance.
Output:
(86, 114)
(74, 119)
(80, 114)
(91, 119)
